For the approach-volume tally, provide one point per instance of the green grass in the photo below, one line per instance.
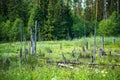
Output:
(35, 69)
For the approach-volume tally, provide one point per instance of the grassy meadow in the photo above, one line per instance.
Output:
(36, 67)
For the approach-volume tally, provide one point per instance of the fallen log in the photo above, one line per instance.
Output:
(77, 63)
(65, 65)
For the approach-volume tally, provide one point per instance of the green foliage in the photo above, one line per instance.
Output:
(81, 27)
(17, 29)
(106, 27)
(110, 26)
(78, 27)
(57, 19)
(36, 67)
(6, 28)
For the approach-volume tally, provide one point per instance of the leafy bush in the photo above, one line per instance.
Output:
(110, 27)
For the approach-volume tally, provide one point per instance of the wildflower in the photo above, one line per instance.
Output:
(104, 75)
(54, 78)
(102, 71)
(97, 71)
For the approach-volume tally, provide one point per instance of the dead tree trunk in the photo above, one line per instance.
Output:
(102, 42)
(32, 41)
(60, 46)
(118, 6)
(95, 30)
(87, 45)
(20, 54)
(35, 34)
(113, 40)
(64, 58)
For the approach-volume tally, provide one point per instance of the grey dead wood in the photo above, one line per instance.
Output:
(77, 58)
(49, 51)
(65, 65)
(64, 58)
(35, 35)
(60, 46)
(32, 36)
(20, 53)
(113, 41)
(73, 52)
(83, 48)
(26, 53)
(102, 42)
(87, 45)
(102, 52)
(8, 62)
(92, 59)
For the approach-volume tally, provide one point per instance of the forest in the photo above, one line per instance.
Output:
(58, 19)
(59, 39)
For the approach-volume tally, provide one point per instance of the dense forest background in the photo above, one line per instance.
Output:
(58, 19)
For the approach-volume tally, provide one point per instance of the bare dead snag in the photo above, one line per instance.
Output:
(113, 41)
(20, 54)
(64, 58)
(83, 48)
(32, 41)
(65, 65)
(26, 52)
(87, 45)
(49, 51)
(102, 52)
(92, 59)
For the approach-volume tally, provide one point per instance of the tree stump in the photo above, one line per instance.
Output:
(113, 41)
(102, 52)
(87, 45)
(102, 42)
(92, 59)
(26, 52)
(49, 51)
(83, 48)
(8, 62)
(20, 53)
(60, 46)
(73, 52)
(64, 58)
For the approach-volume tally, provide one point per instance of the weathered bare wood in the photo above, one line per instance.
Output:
(113, 41)
(73, 52)
(60, 46)
(83, 48)
(64, 58)
(65, 65)
(102, 52)
(8, 62)
(87, 45)
(26, 52)
(32, 41)
(92, 59)
(49, 51)
(35, 34)
(78, 63)
(102, 42)
(20, 53)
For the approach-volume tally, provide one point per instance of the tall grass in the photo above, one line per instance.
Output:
(35, 69)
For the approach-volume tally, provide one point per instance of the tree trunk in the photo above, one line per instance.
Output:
(118, 6)
(102, 41)
(32, 41)
(105, 10)
(35, 34)
(95, 27)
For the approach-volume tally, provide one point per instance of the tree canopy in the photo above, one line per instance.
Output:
(58, 19)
